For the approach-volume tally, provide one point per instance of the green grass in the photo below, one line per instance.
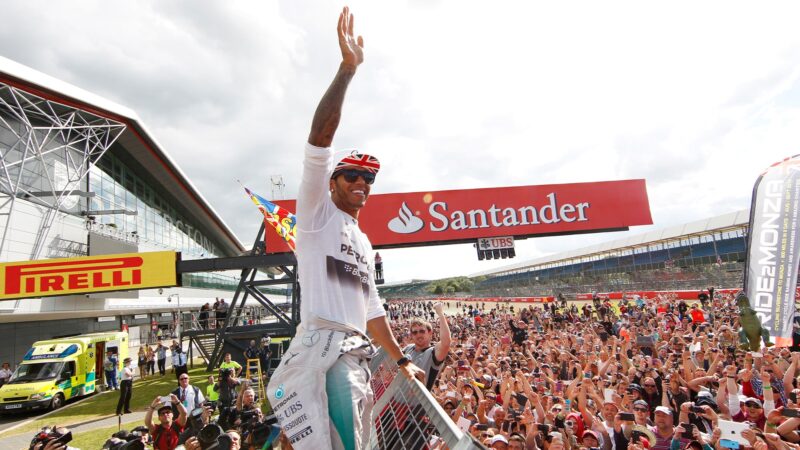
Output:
(103, 405)
(95, 438)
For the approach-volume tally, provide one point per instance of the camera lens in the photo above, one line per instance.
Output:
(209, 434)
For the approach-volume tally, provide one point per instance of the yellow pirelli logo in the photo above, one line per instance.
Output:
(68, 276)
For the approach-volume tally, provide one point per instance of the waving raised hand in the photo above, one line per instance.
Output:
(352, 47)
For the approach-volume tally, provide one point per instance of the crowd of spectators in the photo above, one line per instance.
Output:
(228, 414)
(644, 373)
(634, 375)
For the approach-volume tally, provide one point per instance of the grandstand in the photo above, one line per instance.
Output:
(400, 289)
(709, 252)
(696, 255)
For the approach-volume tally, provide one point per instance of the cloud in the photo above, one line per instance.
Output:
(695, 98)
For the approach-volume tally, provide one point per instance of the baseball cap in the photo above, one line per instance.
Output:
(590, 433)
(753, 400)
(498, 438)
(164, 407)
(663, 409)
(635, 387)
(609, 401)
(354, 158)
(641, 403)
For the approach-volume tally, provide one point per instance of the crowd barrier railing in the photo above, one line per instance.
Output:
(406, 416)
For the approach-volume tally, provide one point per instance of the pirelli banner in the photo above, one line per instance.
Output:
(68, 276)
(773, 248)
(449, 217)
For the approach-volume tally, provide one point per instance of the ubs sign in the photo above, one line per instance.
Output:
(446, 217)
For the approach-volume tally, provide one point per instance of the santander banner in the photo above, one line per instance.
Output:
(448, 217)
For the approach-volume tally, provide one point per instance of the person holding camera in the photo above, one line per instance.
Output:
(229, 440)
(246, 414)
(52, 438)
(226, 389)
(168, 431)
(136, 439)
(196, 421)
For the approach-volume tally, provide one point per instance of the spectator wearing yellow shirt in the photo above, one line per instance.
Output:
(230, 364)
(211, 394)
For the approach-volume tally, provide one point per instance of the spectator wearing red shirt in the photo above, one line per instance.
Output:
(697, 315)
(165, 434)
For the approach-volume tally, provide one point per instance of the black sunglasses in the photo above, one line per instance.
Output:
(351, 175)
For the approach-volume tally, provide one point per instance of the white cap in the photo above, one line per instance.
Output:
(498, 438)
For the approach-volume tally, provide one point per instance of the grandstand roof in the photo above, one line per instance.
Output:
(137, 143)
(404, 282)
(727, 221)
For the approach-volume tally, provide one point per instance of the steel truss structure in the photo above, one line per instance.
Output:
(46, 152)
(212, 343)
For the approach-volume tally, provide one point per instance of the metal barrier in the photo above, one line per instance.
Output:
(406, 416)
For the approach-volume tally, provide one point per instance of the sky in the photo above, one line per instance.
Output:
(697, 98)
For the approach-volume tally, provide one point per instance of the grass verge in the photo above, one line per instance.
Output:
(95, 438)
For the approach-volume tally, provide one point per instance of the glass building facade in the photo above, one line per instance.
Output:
(156, 221)
(44, 162)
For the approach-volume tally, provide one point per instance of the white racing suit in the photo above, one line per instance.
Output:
(320, 392)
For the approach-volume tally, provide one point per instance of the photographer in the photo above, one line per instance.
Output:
(229, 440)
(246, 404)
(166, 433)
(255, 428)
(226, 388)
(52, 438)
(196, 421)
(136, 439)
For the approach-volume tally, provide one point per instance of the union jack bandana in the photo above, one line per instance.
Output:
(368, 162)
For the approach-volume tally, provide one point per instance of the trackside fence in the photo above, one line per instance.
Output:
(406, 416)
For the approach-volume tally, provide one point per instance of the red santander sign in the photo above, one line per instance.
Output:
(447, 217)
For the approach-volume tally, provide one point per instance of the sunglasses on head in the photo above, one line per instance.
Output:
(351, 175)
